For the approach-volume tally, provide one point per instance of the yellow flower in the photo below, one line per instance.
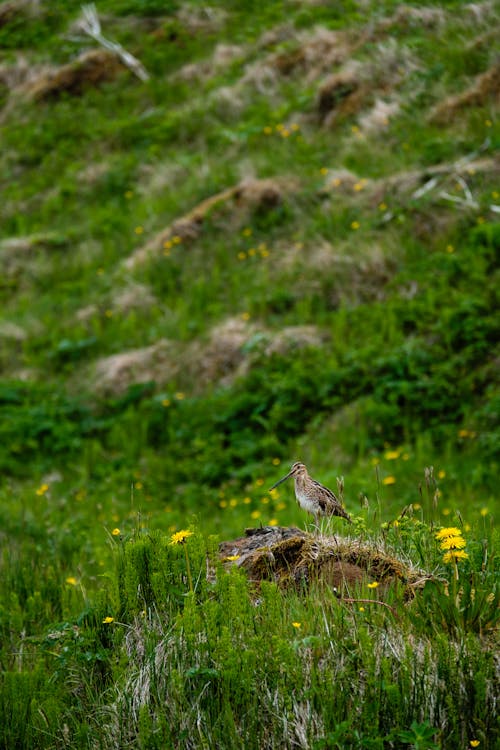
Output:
(71, 580)
(180, 536)
(294, 127)
(389, 480)
(488, 123)
(297, 624)
(138, 485)
(455, 554)
(116, 532)
(108, 619)
(448, 532)
(42, 489)
(167, 244)
(255, 514)
(382, 206)
(267, 130)
(373, 585)
(285, 133)
(273, 522)
(259, 482)
(463, 433)
(165, 402)
(441, 474)
(233, 502)
(177, 240)
(355, 225)
(323, 171)
(223, 504)
(232, 558)
(281, 506)
(355, 129)
(495, 195)
(416, 506)
(179, 395)
(242, 255)
(484, 511)
(128, 194)
(453, 542)
(276, 461)
(361, 609)
(474, 743)
(245, 316)
(264, 500)
(392, 455)
(450, 249)
(247, 500)
(139, 230)
(247, 232)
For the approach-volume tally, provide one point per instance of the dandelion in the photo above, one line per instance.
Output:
(495, 195)
(355, 129)
(445, 511)
(166, 402)
(463, 433)
(264, 500)
(167, 244)
(247, 232)
(279, 127)
(389, 480)
(232, 558)
(180, 536)
(294, 127)
(441, 474)
(450, 249)
(139, 230)
(223, 504)
(255, 514)
(259, 482)
(323, 171)
(108, 619)
(382, 206)
(251, 252)
(71, 580)
(285, 133)
(242, 255)
(454, 555)
(392, 455)
(336, 182)
(449, 531)
(358, 186)
(264, 253)
(179, 395)
(42, 489)
(177, 240)
(100, 271)
(488, 123)
(247, 500)
(129, 194)
(267, 130)
(373, 585)
(361, 609)
(355, 225)
(297, 625)
(484, 512)
(416, 506)
(453, 542)
(245, 316)
(274, 493)
(138, 485)
(474, 743)
(276, 461)
(233, 502)
(273, 522)
(116, 532)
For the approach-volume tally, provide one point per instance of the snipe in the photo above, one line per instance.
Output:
(313, 496)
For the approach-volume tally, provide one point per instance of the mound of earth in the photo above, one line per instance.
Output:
(291, 557)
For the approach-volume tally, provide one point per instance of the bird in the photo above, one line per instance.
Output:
(312, 496)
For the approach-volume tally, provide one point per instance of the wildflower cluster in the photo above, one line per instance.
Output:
(452, 543)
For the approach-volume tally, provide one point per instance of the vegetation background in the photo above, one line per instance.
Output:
(276, 240)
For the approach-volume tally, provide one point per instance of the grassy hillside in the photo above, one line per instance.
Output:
(280, 242)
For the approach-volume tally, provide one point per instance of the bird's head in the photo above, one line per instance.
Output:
(298, 469)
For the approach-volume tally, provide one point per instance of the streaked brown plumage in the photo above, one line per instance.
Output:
(313, 496)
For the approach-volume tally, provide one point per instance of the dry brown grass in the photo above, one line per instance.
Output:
(113, 374)
(485, 89)
(238, 200)
(89, 69)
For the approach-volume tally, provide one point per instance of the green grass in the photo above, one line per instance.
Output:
(398, 375)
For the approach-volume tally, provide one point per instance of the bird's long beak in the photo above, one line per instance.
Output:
(279, 481)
